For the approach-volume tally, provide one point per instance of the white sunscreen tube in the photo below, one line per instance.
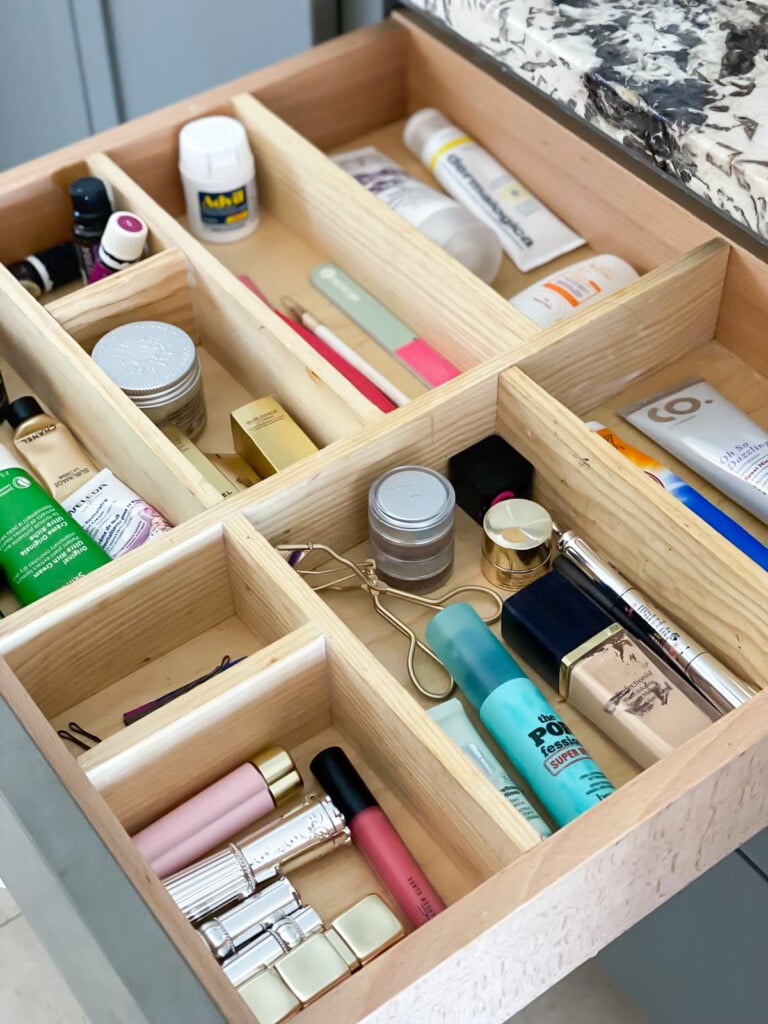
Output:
(567, 291)
(530, 234)
(454, 721)
(462, 235)
(114, 515)
(711, 435)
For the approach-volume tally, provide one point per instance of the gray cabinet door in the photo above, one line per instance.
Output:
(42, 96)
(701, 956)
(164, 51)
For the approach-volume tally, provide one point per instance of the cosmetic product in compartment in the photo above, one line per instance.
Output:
(488, 472)
(411, 525)
(712, 436)
(41, 273)
(454, 721)
(49, 448)
(41, 547)
(91, 210)
(530, 234)
(683, 492)
(626, 605)
(613, 679)
(517, 543)
(376, 838)
(220, 811)
(267, 438)
(121, 245)
(448, 224)
(571, 289)
(533, 736)
(156, 365)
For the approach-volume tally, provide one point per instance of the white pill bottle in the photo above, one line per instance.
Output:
(219, 179)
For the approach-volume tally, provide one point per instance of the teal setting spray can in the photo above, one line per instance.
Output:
(536, 740)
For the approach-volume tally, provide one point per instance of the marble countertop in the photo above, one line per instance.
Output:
(682, 82)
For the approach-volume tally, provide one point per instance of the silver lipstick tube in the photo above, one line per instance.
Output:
(265, 950)
(703, 670)
(311, 830)
(229, 931)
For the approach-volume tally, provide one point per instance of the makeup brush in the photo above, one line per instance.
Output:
(342, 349)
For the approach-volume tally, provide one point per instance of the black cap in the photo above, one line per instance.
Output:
(90, 201)
(485, 470)
(61, 263)
(589, 587)
(338, 777)
(547, 620)
(3, 399)
(23, 409)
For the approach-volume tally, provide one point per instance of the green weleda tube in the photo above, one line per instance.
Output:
(42, 548)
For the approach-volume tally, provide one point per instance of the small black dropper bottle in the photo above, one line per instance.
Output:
(91, 210)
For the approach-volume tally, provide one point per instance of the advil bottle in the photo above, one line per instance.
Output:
(218, 175)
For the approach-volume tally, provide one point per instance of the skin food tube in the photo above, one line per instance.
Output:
(454, 721)
(41, 547)
(711, 435)
(530, 234)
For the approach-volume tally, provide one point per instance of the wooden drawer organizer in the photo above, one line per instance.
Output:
(522, 913)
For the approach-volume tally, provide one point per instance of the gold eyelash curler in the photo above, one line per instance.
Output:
(362, 575)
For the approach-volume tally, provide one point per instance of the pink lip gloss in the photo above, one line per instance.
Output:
(219, 812)
(376, 838)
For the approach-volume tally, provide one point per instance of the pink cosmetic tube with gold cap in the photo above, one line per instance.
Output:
(219, 812)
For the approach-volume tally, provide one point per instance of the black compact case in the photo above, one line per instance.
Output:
(484, 471)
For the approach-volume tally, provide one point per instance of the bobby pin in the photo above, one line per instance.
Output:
(78, 730)
(129, 717)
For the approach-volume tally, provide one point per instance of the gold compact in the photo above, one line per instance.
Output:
(517, 543)
(267, 438)
(312, 968)
(365, 931)
(270, 998)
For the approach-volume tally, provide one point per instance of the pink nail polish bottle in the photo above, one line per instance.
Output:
(219, 812)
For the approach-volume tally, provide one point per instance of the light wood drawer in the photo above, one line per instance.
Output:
(325, 668)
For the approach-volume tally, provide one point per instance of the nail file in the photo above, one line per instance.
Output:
(359, 380)
(377, 321)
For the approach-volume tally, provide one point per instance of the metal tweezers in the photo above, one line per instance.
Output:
(363, 575)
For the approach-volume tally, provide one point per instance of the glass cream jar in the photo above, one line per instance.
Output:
(156, 365)
(411, 511)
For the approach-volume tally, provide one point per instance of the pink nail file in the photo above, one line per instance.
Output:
(377, 321)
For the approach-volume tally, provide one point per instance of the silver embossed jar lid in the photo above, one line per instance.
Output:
(153, 362)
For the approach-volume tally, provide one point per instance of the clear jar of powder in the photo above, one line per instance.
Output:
(157, 366)
(411, 511)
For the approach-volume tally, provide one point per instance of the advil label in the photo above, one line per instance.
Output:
(221, 209)
(563, 759)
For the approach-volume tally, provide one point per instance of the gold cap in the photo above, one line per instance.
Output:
(368, 928)
(279, 772)
(312, 968)
(269, 997)
(517, 545)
